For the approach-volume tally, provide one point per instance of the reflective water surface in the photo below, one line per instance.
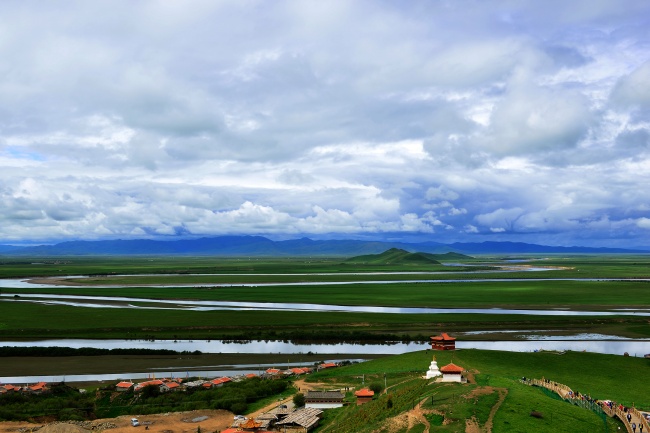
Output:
(197, 305)
(580, 342)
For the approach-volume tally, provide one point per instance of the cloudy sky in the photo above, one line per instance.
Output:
(422, 120)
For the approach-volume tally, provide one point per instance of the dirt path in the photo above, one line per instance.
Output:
(419, 415)
(503, 392)
(178, 422)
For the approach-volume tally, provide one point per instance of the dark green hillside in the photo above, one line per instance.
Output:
(447, 256)
(395, 256)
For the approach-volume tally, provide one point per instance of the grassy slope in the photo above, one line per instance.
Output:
(601, 376)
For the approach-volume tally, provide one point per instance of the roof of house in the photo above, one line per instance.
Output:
(324, 395)
(327, 365)
(443, 337)
(365, 392)
(307, 417)
(251, 375)
(38, 387)
(452, 368)
(221, 380)
(273, 371)
(250, 423)
(172, 385)
(239, 430)
(155, 382)
(124, 385)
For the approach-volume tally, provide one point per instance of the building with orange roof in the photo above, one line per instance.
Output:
(38, 388)
(170, 386)
(139, 386)
(364, 396)
(123, 386)
(443, 342)
(250, 425)
(452, 373)
(8, 388)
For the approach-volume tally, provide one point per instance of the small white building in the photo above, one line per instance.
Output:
(452, 373)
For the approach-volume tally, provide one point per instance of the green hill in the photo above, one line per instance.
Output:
(495, 399)
(395, 256)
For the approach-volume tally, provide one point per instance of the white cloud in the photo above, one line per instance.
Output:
(644, 223)
(458, 120)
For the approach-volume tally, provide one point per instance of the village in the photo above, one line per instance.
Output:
(304, 414)
(286, 416)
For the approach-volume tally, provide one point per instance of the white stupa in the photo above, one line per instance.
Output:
(433, 370)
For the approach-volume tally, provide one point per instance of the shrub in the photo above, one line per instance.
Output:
(299, 399)
(376, 387)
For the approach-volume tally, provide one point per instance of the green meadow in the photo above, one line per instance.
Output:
(495, 391)
(221, 279)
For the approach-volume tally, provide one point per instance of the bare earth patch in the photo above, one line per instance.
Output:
(178, 422)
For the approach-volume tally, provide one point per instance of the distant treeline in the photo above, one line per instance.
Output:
(85, 351)
(322, 336)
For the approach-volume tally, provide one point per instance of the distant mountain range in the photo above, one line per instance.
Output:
(261, 246)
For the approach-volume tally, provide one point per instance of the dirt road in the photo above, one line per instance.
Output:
(180, 422)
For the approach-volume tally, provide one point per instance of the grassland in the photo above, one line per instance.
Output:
(492, 374)
(205, 278)
(446, 407)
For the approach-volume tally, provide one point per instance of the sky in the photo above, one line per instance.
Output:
(447, 121)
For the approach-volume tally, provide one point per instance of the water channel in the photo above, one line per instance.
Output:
(580, 342)
(539, 341)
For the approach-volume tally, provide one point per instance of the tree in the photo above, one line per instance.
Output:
(299, 399)
(376, 387)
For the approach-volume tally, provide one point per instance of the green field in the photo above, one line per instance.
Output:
(200, 278)
(494, 393)
(492, 373)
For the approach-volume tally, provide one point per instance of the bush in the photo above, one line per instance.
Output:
(238, 407)
(376, 387)
(299, 399)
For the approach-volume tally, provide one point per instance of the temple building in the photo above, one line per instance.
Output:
(452, 373)
(443, 342)
(364, 396)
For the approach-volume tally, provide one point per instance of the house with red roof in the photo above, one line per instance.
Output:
(326, 365)
(38, 388)
(5, 389)
(141, 385)
(170, 386)
(123, 386)
(364, 396)
(299, 370)
(452, 373)
(443, 342)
